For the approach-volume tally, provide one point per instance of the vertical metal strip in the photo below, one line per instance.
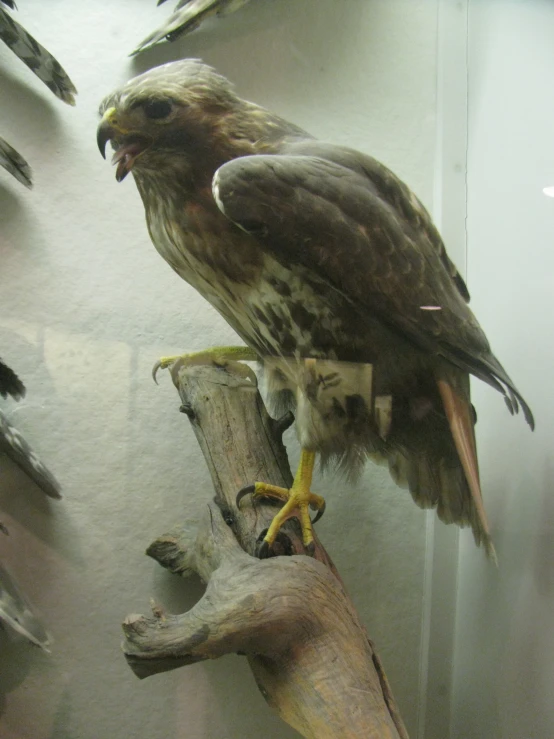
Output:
(450, 215)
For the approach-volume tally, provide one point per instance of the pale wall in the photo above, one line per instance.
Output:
(88, 305)
(504, 657)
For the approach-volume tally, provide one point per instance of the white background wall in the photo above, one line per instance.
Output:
(504, 657)
(88, 305)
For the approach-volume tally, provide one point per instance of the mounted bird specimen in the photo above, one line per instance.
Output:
(187, 17)
(331, 271)
(47, 69)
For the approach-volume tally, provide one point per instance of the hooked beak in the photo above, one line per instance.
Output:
(126, 153)
(106, 130)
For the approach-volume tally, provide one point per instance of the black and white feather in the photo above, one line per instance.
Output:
(187, 16)
(16, 613)
(15, 164)
(39, 60)
(19, 451)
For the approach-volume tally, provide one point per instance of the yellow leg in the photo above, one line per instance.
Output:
(297, 501)
(215, 355)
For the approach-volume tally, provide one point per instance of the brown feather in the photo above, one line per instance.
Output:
(317, 252)
(459, 415)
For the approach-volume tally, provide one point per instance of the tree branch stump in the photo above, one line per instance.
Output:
(289, 615)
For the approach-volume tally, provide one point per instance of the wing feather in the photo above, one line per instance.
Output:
(359, 228)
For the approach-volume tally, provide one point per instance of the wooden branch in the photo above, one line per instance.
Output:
(290, 615)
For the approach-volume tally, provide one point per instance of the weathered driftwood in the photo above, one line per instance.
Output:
(289, 615)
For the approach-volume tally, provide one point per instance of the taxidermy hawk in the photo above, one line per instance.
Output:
(333, 274)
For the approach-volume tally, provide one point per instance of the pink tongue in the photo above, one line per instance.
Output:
(123, 167)
(125, 158)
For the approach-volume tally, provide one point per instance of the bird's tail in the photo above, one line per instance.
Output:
(445, 474)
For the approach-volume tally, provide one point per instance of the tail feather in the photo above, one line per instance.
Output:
(458, 412)
(434, 485)
(436, 457)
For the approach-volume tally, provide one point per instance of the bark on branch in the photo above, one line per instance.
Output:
(290, 615)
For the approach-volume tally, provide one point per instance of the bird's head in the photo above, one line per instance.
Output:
(170, 113)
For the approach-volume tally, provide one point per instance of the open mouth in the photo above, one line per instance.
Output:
(126, 155)
(128, 147)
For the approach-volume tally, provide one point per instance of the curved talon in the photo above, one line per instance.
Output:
(264, 552)
(164, 363)
(319, 513)
(282, 424)
(297, 500)
(243, 492)
(155, 369)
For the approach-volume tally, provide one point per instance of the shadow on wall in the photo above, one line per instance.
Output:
(18, 659)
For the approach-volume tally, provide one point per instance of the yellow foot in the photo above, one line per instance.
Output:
(297, 500)
(219, 355)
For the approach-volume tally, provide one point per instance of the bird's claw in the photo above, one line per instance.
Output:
(155, 369)
(273, 493)
(281, 547)
(264, 550)
(164, 363)
(251, 490)
(320, 512)
(243, 492)
(220, 357)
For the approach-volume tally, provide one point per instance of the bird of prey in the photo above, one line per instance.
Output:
(331, 271)
(187, 16)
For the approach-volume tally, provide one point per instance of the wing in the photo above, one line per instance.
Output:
(37, 58)
(188, 15)
(17, 614)
(19, 451)
(14, 163)
(359, 228)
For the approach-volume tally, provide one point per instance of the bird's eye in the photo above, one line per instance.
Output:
(156, 110)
